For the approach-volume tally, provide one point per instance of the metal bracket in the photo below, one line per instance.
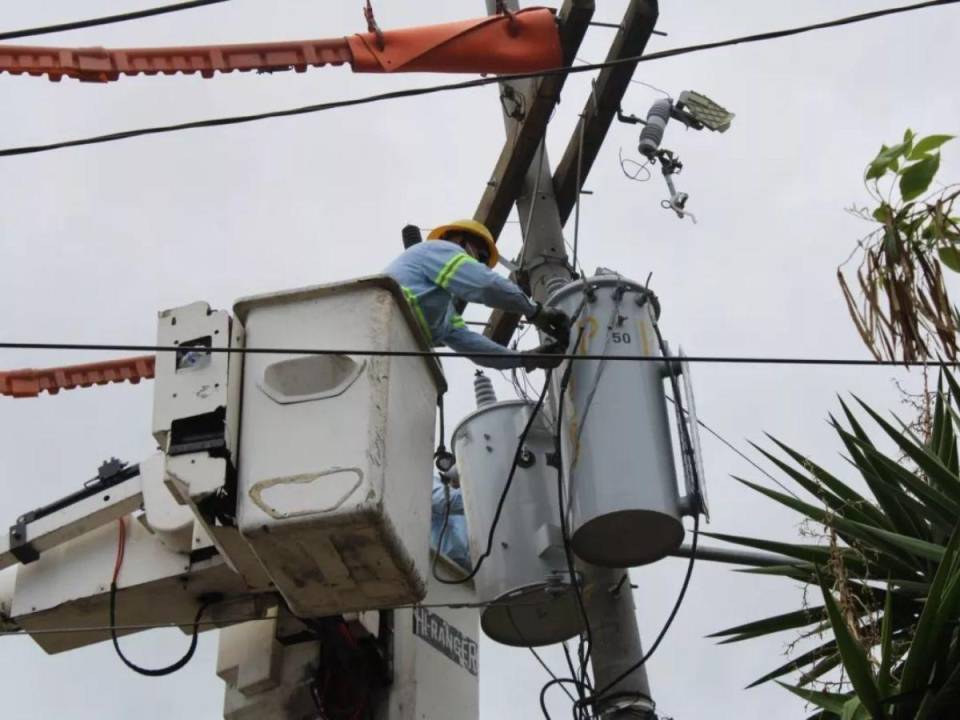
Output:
(111, 473)
(513, 28)
(670, 165)
(22, 549)
(373, 27)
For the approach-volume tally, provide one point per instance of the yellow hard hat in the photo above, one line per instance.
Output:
(477, 229)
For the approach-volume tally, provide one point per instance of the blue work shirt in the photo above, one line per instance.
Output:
(432, 274)
(455, 543)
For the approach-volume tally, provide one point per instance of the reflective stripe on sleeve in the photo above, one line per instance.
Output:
(418, 312)
(450, 268)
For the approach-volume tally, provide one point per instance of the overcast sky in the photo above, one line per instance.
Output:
(96, 240)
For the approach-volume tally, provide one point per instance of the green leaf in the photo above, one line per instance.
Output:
(839, 488)
(883, 213)
(940, 509)
(927, 145)
(853, 709)
(946, 699)
(806, 553)
(916, 178)
(855, 660)
(920, 548)
(899, 515)
(940, 475)
(832, 702)
(875, 171)
(884, 680)
(887, 159)
(849, 503)
(892, 557)
(821, 652)
(950, 257)
(775, 624)
(912, 589)
(928, 634)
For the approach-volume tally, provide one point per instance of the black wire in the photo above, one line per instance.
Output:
(583, 683)
(107, 20)
(414, 92)
(535, 654)
(716, 359)
(503, 496)
(159, 672)
(543, 693)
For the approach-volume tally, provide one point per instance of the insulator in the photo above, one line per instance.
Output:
(411, 236)
(483, 389)
(555, 283)
(652, 134)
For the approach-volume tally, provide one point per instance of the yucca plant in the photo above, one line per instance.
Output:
(888, 570)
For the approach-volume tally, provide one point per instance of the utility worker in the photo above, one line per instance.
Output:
(457, 264)
(455, 543)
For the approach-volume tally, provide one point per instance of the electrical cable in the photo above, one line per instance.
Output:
(643, 167)
(580, 179)
(715, 359)
(503, 496)
(535, 654)
(543, 693)
(159, 672)
(415, 92)
(108, 19)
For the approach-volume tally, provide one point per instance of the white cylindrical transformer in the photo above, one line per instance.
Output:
(525, 576)
(624, 506)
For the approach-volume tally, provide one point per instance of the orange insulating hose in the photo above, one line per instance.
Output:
(525, 41)
(30, 382)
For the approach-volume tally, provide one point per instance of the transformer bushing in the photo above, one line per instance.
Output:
(623, 502)
(525, 577)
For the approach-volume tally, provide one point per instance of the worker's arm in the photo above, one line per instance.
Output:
(462, 340)
(465, 278)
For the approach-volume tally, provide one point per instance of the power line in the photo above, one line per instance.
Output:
(709, 359)
(415, 92)
(108, 19)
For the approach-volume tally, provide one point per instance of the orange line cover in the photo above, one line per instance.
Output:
(528, 41)
(30, 382)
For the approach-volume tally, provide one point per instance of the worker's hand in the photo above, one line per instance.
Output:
(552, 353)
(553, 322)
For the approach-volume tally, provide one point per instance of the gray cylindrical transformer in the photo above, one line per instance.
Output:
(525, 575)
(624, 506)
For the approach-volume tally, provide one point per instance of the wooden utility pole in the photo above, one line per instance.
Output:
(523, 176)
